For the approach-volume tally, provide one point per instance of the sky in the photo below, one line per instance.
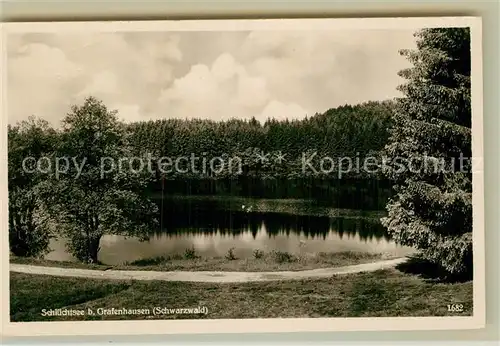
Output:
(208, 75)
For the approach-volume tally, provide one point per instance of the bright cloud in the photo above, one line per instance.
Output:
(324, 69)
(59, 70)
(210, 75)
(222, 91)
(102, 83)
(39, 78)
(282, 111)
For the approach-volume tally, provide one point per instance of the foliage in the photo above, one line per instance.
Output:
(230, 256)
(345, 131)
(88, 203)
(149, 261)
(432, 208)
(29, 225)
(257, 254)
(280, 256)
(190, 253)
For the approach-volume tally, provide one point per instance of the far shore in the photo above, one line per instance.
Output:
(261, 261)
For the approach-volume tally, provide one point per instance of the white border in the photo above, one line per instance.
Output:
(134, 327)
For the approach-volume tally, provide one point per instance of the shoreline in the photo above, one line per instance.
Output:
(261, 262)
(205, 276)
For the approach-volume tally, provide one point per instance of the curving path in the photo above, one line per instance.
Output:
(203, 276)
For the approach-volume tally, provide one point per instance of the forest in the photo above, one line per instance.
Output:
(349, 131)
(341, 131)
(428, 210)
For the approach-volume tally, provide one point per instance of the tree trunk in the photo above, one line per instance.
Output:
(93, 249)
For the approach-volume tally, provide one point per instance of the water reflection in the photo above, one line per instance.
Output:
(224, 223)
(214, 225)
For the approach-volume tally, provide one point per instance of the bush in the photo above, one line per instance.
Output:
(149, 261)
(29, 227)
(29, 236)
(258, 254)
(190, 253)
(282, 257)
(28, 243)
(230, 256)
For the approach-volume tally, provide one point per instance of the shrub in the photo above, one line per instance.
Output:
(190, 253)
(230, 256)
(176, 257)
(257, 254)
(149, 261)
(29, 236)
(282, 257)
(29, 226)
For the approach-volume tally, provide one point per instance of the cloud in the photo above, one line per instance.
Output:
(128, 112)
(281, 111)
(40, 79)
(324, 69)
(214, 75)
(57, 70)
(221, 91)
(103, 83)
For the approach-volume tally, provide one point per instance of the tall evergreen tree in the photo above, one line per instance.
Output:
(432, 208)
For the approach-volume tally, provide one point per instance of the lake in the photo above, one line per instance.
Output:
(215, 224)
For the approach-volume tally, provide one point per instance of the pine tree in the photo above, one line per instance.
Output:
(431, 138)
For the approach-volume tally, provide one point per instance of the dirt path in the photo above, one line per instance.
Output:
(203, 276)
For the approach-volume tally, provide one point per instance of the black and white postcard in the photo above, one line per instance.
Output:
(225, 176)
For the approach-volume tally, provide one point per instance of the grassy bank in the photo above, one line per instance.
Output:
(380, 293)
(261, 261)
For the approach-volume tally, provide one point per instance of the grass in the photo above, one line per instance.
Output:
(61, 264)
(30, 294)
(190, 261)
(381, 293)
